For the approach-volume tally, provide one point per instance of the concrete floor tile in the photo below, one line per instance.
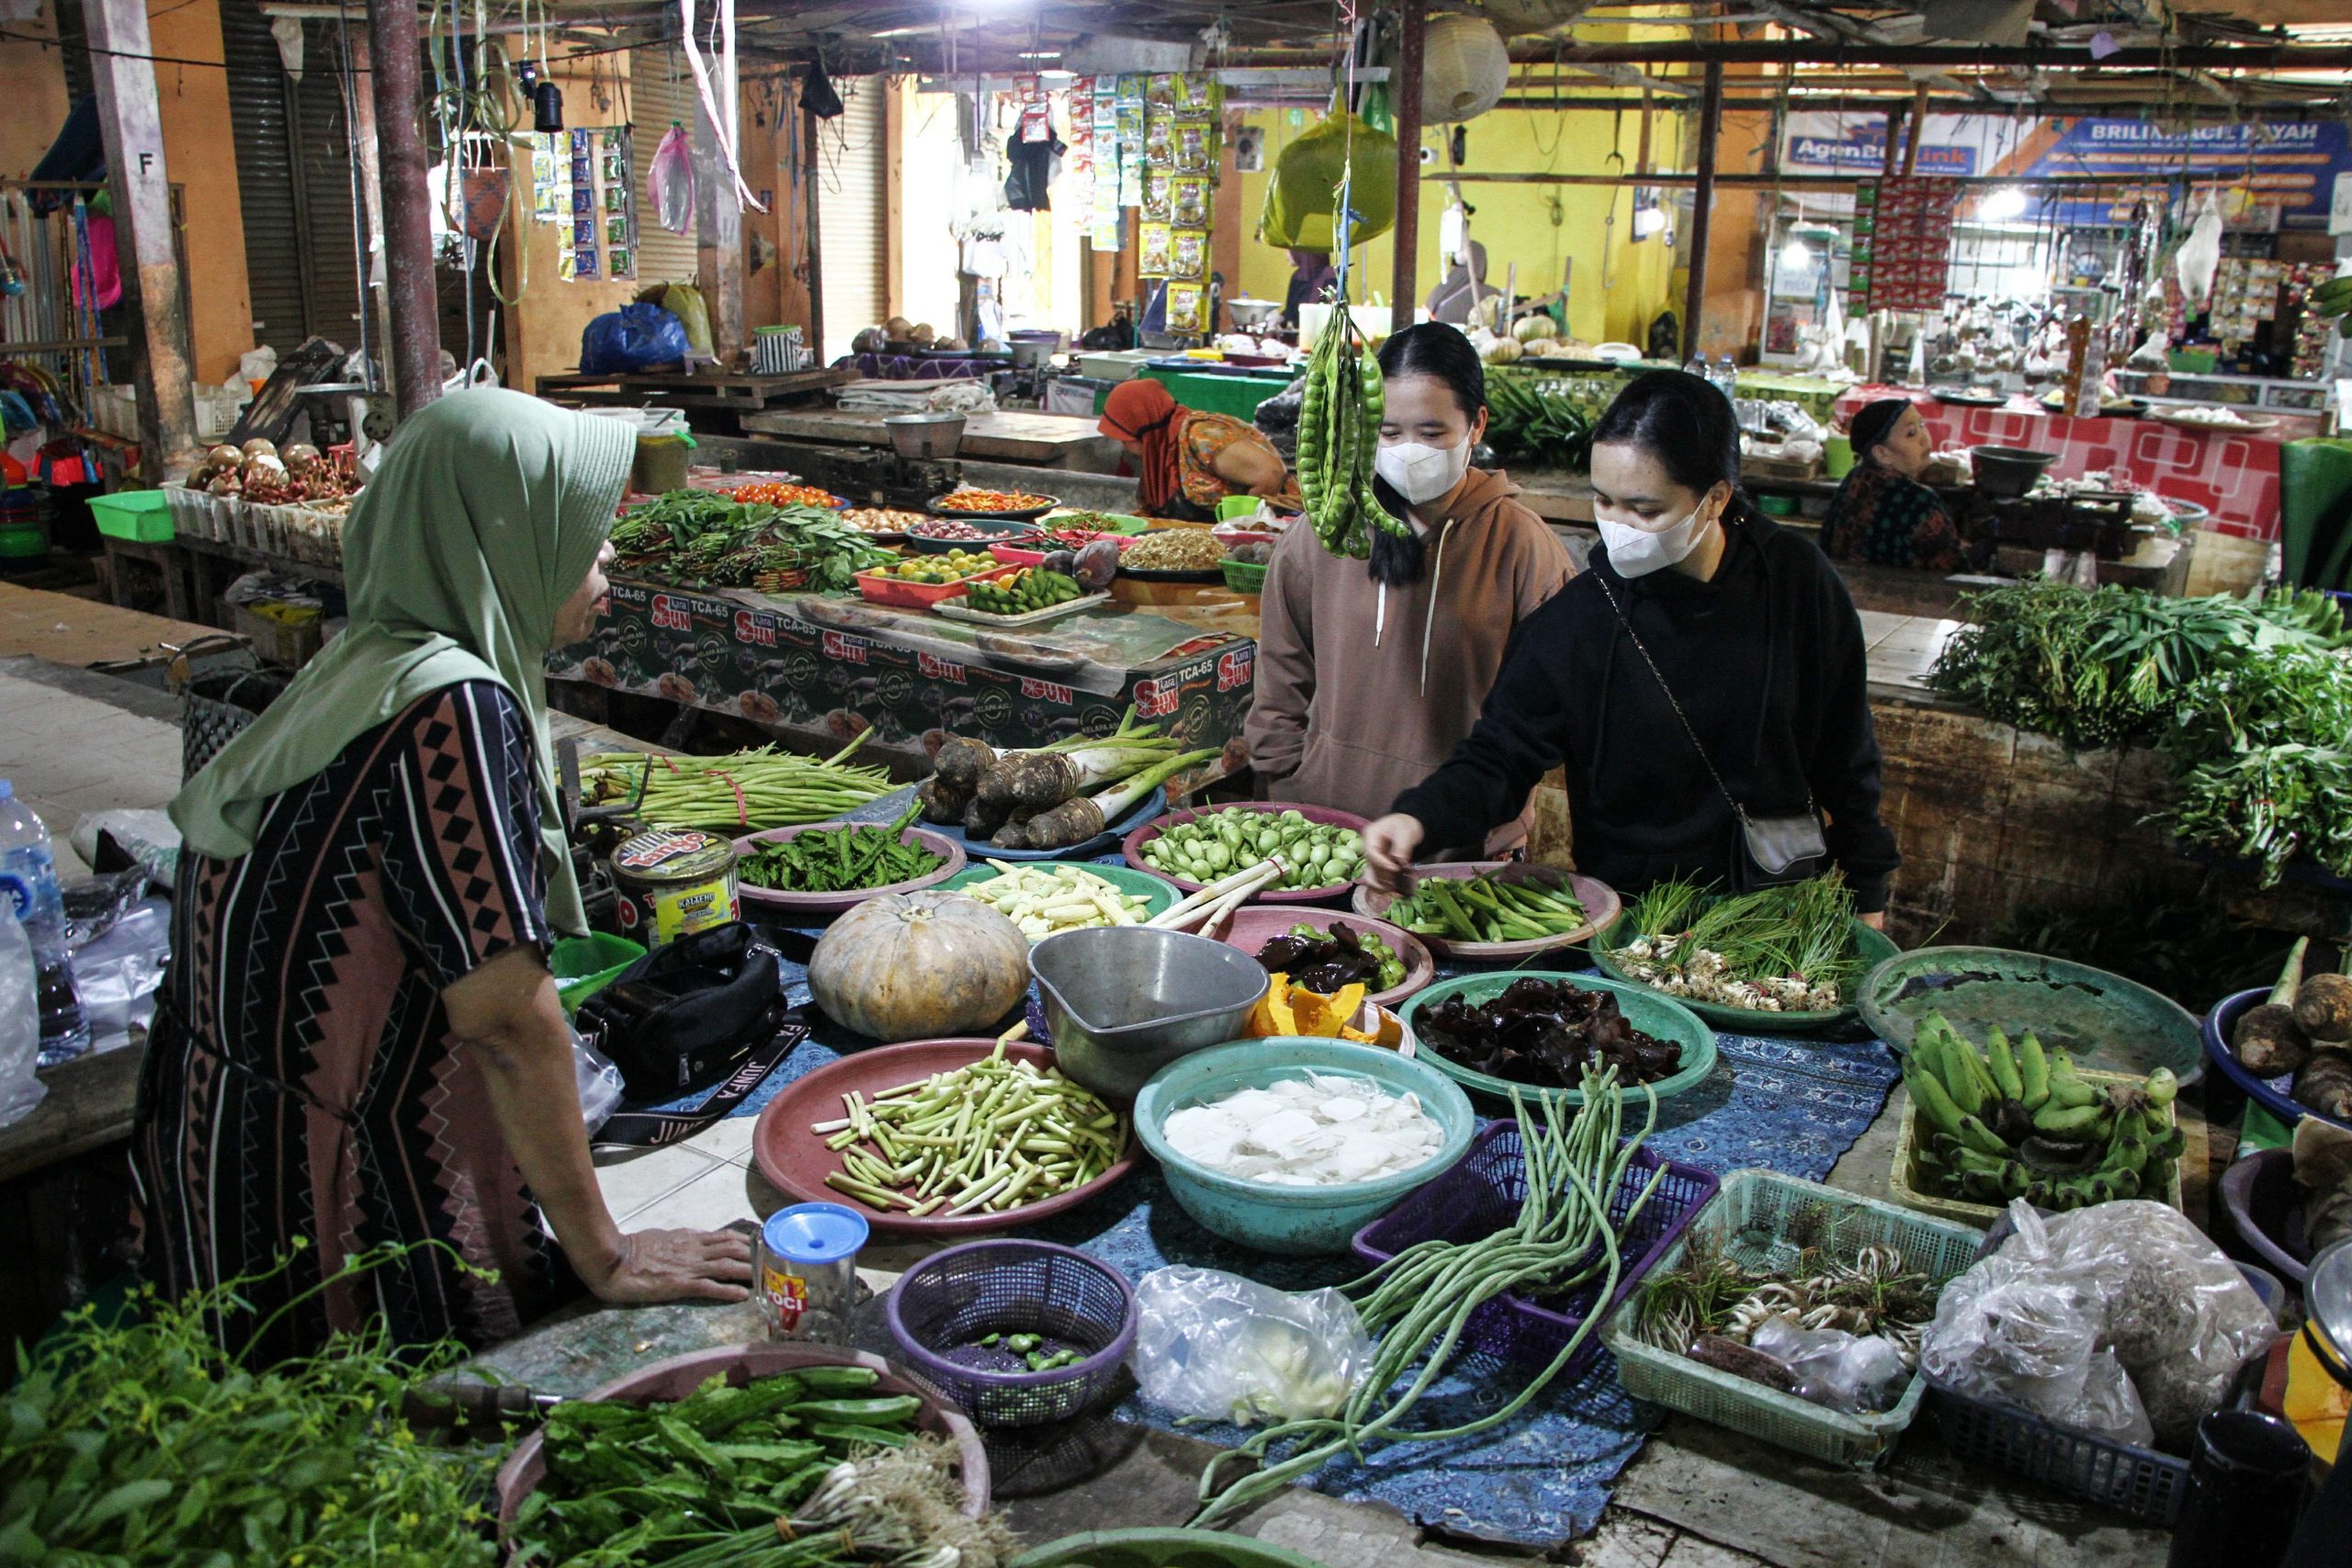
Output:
(728, 1140)
(710, 1201)
(636, 1178)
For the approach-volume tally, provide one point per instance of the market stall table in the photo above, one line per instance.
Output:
(2231, 474)
(702, 389)
(1046, 440)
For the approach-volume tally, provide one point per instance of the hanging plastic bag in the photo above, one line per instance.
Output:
(20, 1088)
(1220, 1347)
(670, 183)
(642, 336)
(2200, 254)
(1303, 194)
(685, 301)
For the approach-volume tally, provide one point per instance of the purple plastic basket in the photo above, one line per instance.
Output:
(1482, 1194)
(2265, 1207)
(945, 1305)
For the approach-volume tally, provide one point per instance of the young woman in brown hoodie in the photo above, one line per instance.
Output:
(1369, 674)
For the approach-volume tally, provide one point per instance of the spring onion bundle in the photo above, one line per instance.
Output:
(1788, 949)
(742, 792)
(1419, 1303)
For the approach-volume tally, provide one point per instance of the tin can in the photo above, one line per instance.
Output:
(673, 882)
(806, 1271)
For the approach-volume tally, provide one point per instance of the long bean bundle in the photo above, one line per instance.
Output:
(742, 792)
(1339, 427)
(1420, 1302)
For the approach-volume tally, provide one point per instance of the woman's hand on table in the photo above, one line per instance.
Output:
(673, 1266)
(1875, 919)
(1388, 846)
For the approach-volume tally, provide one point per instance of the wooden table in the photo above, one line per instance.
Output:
(703, 390)
(1046, 440)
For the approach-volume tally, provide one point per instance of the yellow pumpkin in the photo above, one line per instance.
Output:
(1528, 328)
(1504, 351)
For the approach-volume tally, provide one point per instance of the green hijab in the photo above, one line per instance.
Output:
(484, 516)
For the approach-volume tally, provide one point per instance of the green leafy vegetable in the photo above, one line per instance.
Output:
(699, 539)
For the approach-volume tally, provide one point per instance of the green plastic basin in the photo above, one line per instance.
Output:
(2106, 1022)
(1295, 1221)
(1644, 1008)
(583, 965)
(1159, 894)
(141, 516)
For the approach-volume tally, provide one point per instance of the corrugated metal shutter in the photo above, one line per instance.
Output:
(294, 184)
(851, 213)
(660, 92)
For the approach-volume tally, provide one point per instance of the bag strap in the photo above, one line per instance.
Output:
(1688, 727)
(655, 1129)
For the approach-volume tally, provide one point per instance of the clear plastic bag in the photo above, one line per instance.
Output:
(20, 1085)
(670, 182)
(117, 972)
(2120, 1320)
(1216, 1347)
(599, 1082)
(1858, 1373)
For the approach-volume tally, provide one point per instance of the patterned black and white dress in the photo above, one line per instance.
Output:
(301, 1096)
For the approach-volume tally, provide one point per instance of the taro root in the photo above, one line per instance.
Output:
(2268, 1040)
(2324, 1005)
(2324, 1082)
(960, 762)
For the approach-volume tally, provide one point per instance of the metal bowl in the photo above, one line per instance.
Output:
(1121, 1002)
(934, 436)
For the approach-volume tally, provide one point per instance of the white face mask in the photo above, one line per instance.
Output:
(1421, 473)
(1637, 552)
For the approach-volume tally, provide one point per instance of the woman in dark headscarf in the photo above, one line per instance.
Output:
(1883, 514)
(1188, 460)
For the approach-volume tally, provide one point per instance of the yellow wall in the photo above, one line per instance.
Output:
(199, 154)
(1537, 226)
(543, 327)
(199, 150)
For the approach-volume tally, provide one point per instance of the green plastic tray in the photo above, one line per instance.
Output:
(141, 516)
(1874, 946)
(1762, 1218)
(1644, 1008)
(2108, 1023)
(1161, 1548)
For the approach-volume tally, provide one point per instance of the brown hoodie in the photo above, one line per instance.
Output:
(1362, 690)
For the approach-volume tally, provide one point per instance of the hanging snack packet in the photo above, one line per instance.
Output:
(1161, 89)
(1194, 150)
(1157, 242)
(1188, 199)
(1188, 254)
(1187, 308)
(1159, 136)
(1158, 195)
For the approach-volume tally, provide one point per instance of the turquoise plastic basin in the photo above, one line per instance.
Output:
(1297, 1220)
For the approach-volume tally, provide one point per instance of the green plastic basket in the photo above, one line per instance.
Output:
(1245, 576)
(1758, 1218)
(1162, 1549)
(582, 965)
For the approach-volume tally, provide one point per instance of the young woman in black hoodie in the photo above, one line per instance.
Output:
(1695, 602)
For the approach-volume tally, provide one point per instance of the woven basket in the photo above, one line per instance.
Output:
(217, 704)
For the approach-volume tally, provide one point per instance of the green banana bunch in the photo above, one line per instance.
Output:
(2015, 1119)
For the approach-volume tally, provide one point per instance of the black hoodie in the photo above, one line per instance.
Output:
(1768, 661)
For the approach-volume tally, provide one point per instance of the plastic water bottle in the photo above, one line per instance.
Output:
(1726, 375)
(29, 882)
(1697, 366)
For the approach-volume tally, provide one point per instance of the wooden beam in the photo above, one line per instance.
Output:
(807, 174)
(718, 238)
(1919, 132)
(407, 205)
(132, 124)
(1711, 117)
(894, 219)
(1405, 99)
(1893, 140)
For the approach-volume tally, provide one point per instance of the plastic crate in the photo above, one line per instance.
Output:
(1482, 1195)
(143, 516)
(880, 588)
(1904, 1179)
(1756, 1218)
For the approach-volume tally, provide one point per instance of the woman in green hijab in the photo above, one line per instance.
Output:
(360, 1044)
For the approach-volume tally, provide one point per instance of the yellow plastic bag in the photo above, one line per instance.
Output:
(685, 301)
(1303, 197)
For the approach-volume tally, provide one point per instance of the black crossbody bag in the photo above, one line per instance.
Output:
(1778, 849)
